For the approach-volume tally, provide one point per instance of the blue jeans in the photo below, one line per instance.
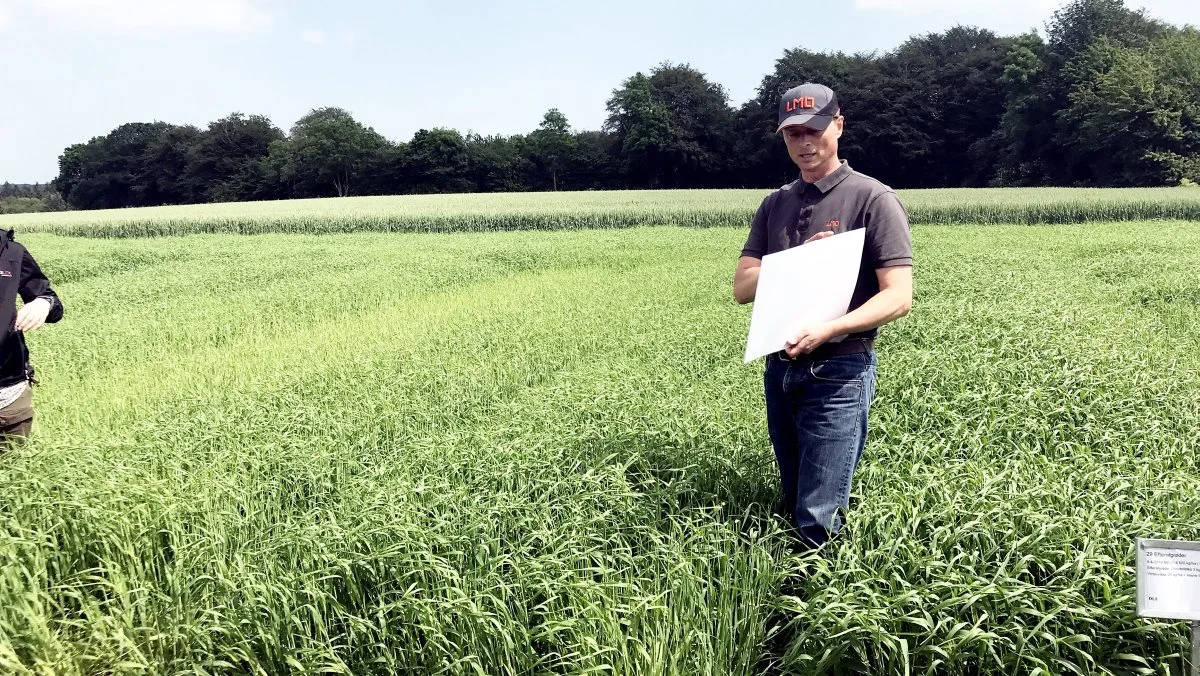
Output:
(817, 420)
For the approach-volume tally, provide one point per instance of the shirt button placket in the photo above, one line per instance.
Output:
(805, 218)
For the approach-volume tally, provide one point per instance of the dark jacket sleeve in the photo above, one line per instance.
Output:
(34, 284)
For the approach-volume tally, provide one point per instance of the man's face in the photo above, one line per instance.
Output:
(810, 148)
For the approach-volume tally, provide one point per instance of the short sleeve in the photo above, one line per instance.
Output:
(756, 241)
(888, 238)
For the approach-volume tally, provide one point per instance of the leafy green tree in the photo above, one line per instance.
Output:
(551, 144)
(226, 163)
(1036, 144)
(701, 125)
(501, 164)
(672, 129)
(438, 161)
(115, 170)
(642, 127)
(593, 163)
(327, 152)
(165, 166)
(1134, 113)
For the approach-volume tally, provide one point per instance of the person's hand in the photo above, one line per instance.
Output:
(820, 235)
(33, 314)
(808, 340)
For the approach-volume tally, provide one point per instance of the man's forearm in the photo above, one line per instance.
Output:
(883, 307)
(745, 284)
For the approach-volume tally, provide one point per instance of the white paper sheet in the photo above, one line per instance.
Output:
(801, 287)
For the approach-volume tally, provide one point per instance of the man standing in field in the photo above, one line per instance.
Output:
(818, 390)
(20, 274)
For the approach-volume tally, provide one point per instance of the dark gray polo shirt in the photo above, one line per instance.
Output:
(842, 201)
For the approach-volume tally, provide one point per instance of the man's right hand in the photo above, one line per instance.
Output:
(820, 235)
(33, 315)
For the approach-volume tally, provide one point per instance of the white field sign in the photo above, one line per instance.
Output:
(1169, 579)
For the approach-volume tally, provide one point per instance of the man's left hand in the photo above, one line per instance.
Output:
(33, 314)
(808, 340)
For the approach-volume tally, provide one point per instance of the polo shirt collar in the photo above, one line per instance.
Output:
(826, 184)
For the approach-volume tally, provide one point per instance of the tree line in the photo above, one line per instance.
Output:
(23, 198)
(1109, 97)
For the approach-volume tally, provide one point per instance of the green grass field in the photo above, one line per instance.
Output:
(591, 210)
(540, 452)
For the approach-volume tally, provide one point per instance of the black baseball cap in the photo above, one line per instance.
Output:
(811, 105)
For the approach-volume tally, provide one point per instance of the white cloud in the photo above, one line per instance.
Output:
(349, 37)
(313, 36)
(225, 16)
(4, 13)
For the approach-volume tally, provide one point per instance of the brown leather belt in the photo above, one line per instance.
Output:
(848, 346)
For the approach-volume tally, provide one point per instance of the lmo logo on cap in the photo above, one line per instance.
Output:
(802, 103)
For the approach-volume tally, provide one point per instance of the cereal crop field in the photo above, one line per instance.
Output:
(290, 438)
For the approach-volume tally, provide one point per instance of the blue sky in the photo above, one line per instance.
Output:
(78, 68)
